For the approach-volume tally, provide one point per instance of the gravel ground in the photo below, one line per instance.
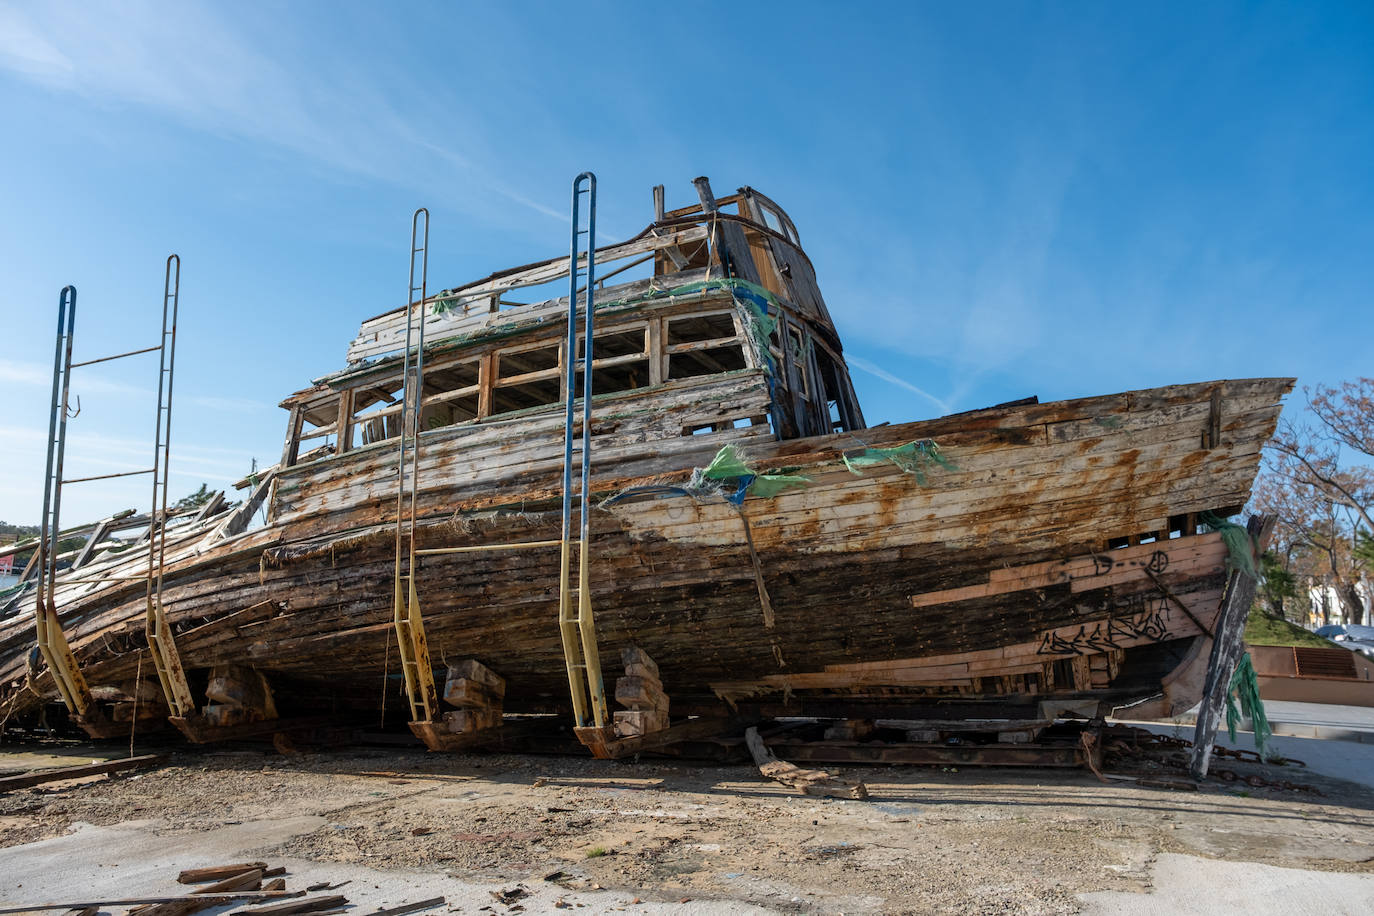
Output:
(929, 840)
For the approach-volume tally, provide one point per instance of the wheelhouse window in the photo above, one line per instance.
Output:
(704, 345)
(452, 393)
(527, 377)
(774, 219)
(317, 431)
(620, 359)
(377, 412)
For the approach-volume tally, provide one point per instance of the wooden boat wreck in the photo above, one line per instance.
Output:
(749, 544)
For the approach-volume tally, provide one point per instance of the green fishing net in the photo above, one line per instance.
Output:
(1238, 542)
(728, 465)
(913, 458)
(1245, 684)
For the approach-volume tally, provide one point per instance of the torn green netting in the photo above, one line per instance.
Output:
(1245, 684)
(913, 458)
(728, 465)
(1238, 542)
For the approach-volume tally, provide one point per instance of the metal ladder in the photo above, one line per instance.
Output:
(410, 628)
(52, 641)
(160, 640)
(577, 626)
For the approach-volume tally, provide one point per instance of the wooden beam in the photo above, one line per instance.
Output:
(306, 905)
(808, 782)
(1227, 647)
(417, 907)
(731, 245)
(26, 780)
(217, 872)
(139, 901)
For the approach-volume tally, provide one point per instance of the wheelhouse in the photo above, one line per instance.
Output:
(723, 288)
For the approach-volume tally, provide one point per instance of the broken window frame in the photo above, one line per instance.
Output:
(381, 391)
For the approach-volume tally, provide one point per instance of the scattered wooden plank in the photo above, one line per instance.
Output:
(306, 905)
(810, 782)
(402, 909)
(217, 872)
(137, 901)
(208, 896)
(26, 780)
(247, 881)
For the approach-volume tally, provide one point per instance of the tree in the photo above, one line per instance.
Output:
(1279, 588)
(1317, 482)
(194, 500)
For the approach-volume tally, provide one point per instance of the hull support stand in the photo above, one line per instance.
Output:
(1227, 647)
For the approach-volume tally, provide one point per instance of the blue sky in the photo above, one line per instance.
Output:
(1000, 199)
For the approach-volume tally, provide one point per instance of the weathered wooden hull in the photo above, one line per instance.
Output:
(986, 584)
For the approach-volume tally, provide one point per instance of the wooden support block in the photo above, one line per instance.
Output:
(238, 685)
(220, 716)
(635, 722)
(601, 741)
(640, 693)
(462, 721)
(471, 669)
(634, 656)
(125, 712)
(470, 694)
(145, 691)
(638, 670)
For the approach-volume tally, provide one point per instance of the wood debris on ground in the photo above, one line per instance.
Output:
(242, 883)
(810, 782)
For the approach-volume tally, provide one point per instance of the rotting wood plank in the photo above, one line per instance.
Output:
(303, 905)
(809, 782)
(418, 906)
(137, 901)
(27, 780)
(217, 872)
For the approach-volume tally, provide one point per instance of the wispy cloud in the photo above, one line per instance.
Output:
(15, 372)
(189, 61)
(117, 453)
(878, 371)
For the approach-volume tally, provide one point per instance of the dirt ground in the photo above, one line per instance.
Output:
(929, 840)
